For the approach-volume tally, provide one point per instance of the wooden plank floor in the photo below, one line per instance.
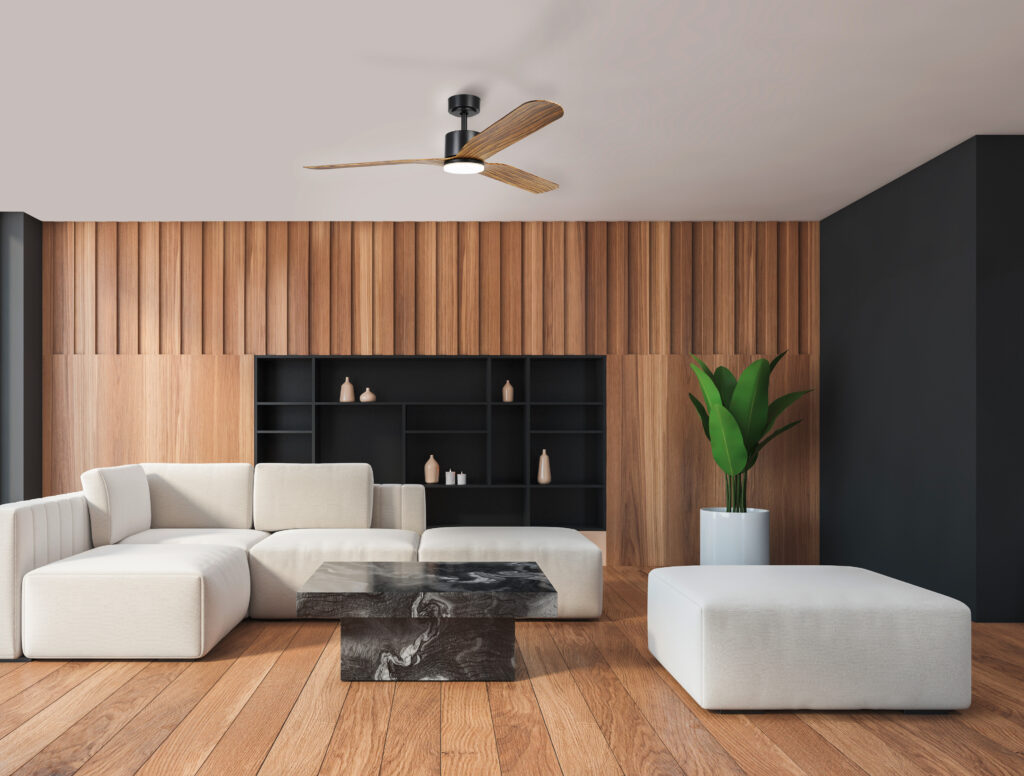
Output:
(588, 699)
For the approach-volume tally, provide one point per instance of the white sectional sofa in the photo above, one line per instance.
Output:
(163, 560)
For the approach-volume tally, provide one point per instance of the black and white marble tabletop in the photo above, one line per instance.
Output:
(416, 621)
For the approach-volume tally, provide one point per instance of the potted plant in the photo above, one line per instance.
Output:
(738, 420)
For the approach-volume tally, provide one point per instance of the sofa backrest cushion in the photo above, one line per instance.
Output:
(200, 495)
(118, 498)
(312, 495)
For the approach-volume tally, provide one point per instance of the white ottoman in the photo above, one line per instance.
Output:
(808, 637)
(148, 601)
(570, 560)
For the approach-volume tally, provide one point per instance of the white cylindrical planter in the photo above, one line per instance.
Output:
(733, 538)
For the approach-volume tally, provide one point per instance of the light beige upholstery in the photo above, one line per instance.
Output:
(571, 561)
(200, 495)
(145, 601)
(281, 564)
(32, 534)
(400, 506)
(312, 495)
(243, 538)
(119, 504)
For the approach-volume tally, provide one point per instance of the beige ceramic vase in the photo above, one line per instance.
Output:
(431, 470)
(348, 391)
(367, 396)
(544, 468)
(507, 392)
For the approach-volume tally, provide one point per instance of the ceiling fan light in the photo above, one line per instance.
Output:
(464, 166)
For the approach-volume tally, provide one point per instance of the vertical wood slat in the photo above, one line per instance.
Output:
(85, 287)
(490, 288)
(553, 295)
(49, 300)
(681, 303)
(661, 287)
(383, 288)
(789, 286)
(639, 281)
(511, 288)
(575, 288)
(618, 288)
(341, 288)
(149, 287)
(767, 288)
(63, 309)
(170, 287)
(746, 287)
(808, 287)
(597, 287)
(426, 289)
(277, 288)
(405, 288)
(362, 288)
(320, 287)
(469, 289)
(192, 287)
(127, 288)
(725, 288)
(213, 288)
(703, 306)
(448, 288)
(256, 287)
(533, 288)
(234, 287)
(106, 287)
(298, 287)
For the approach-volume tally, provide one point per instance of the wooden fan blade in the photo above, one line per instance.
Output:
(521, 179)
(372, 164)
(511, 128)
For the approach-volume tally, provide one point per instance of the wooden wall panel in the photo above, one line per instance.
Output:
(646, 294)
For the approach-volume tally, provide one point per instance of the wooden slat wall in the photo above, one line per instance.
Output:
(650, 292)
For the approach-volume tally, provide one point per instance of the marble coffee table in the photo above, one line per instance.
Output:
(417, 621)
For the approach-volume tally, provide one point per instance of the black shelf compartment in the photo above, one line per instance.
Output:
(507, 444)
(446, 417)
(284, 379)
(284, 417)
(465, 505)
(568, 379)
(458, 452)
(404, 379)
(576, 458)
(576, 507)
(284, 446)
(358, 433)
(567, 417)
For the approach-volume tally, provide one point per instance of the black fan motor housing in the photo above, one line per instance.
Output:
(463, 106)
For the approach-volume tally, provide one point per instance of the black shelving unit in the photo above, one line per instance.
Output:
(449, 406)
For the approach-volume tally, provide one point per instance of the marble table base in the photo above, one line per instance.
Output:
(443, 649)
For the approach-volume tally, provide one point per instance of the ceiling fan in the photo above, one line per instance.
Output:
(466, 151)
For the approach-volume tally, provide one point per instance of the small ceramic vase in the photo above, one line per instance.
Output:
(431, 470)
(368, 395)
(544, 468)
(449, 477)
(348, 391)
(507, 392)
(462, 478)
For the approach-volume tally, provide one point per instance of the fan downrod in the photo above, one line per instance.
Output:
(463, 106)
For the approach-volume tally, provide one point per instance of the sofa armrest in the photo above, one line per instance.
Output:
(32, 534)
(400, 506)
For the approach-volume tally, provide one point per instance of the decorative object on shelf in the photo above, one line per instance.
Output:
(431, 470)
(507, 392)
(449, 477)
(544, 468)
(738, 419)
(348, 391)
(462, 478)
(367, 396)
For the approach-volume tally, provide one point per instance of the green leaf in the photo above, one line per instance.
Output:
(703, 414)
(779, 406)
(767, 439)
(750, 402)
(707, 385)
(727, 441)
(775, 361)
(706, 368)
(726, 384)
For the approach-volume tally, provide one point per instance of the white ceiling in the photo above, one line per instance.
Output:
(673, 110)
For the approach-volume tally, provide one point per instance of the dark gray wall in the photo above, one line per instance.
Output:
(921, 313)
(21, 349)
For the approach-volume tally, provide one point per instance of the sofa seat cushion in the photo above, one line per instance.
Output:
(312, 495)
(281, 564)
(231, 537)
(146, 601)
(570, 560)
(808, 637)
(119, 503)
(200, 495)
